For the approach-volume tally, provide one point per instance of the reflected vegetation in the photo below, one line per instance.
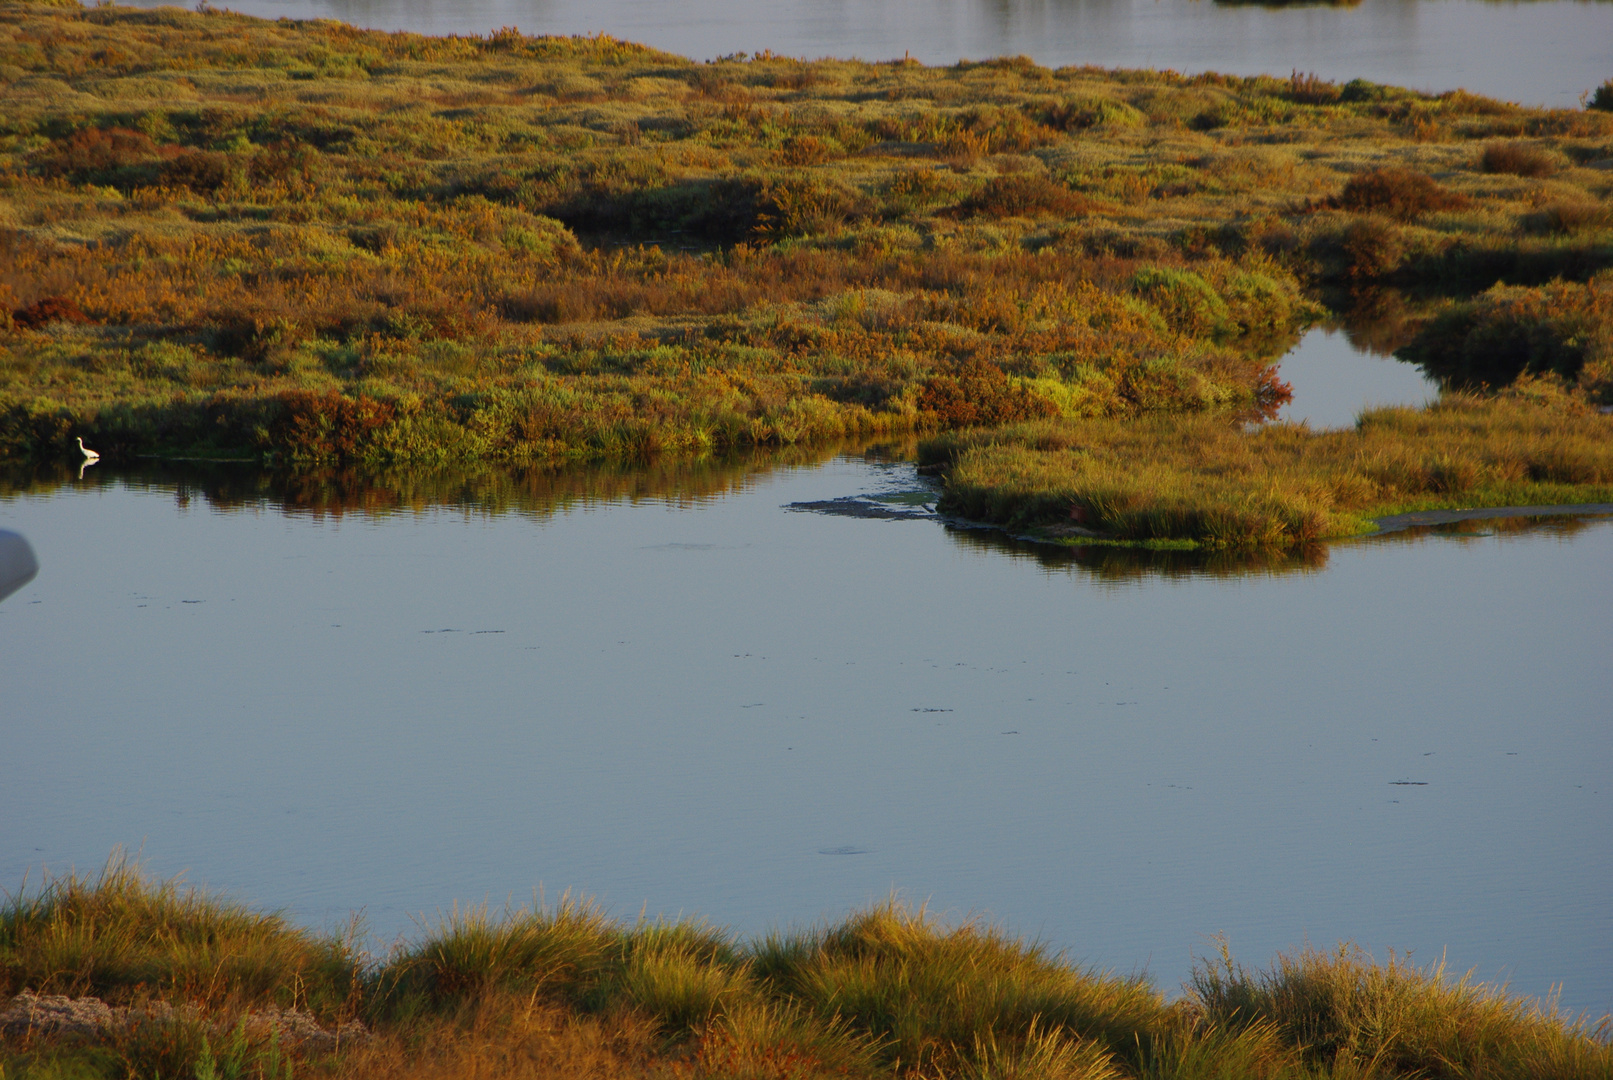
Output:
(537, 492)
(1559, 526)
(540, 493)
(1110, 562)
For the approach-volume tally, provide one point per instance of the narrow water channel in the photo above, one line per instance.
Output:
(680, 696)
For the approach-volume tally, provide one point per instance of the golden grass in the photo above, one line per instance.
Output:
(561, 991)
(1206, 482)
(223, 234)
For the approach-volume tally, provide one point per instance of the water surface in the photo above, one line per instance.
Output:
(1544, 52)
(1334, 379)
(677, 695)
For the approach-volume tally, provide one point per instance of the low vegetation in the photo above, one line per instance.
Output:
(1199, 482)
(564, 991)
(307, 244)
(236, 237)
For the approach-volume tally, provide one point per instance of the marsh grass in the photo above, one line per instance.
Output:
(126, 939)
(223, 235)
(966, 1000)
(1560, 329)
(1214, 484)
(1343, 1011)
(561, 990)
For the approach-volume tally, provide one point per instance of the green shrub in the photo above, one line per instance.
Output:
(1189, 303)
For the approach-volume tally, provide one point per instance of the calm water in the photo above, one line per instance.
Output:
(1544, 52)
(1333, 380)
(672, 692)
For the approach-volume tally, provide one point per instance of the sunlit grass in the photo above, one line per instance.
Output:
(1204, 481)
(230, 236)
(124, 938)
(561, 990)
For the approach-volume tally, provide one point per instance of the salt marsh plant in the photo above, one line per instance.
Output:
(233, 237)
(561, 990)
(1204, 482)
(124, 938)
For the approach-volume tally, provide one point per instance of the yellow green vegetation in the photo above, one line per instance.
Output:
(234, 236)
(564, 991)
(1194, 480)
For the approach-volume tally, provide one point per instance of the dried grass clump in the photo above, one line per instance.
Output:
(1345, 1013)
(125, 938)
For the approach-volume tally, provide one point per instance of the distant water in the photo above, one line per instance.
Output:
(338, 692)
(1542, 52)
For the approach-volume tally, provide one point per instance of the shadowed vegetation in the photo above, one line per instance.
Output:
(564, 991)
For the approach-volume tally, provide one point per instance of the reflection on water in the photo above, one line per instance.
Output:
(1546, 52)
(1123, 563)
(669, 690)
(539, 491)
(1335, 376)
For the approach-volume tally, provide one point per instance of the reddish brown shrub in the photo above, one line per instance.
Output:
(1312, 90)
(799, 150)
(48, 310)
(328, 425)
(1372, 249)
(1023, 196)
(198, 170)
(92, 152)
(1397, 192)
(979, 394)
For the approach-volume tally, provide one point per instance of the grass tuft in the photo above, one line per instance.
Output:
(125, 938)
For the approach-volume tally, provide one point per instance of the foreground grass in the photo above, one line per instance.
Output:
(1208, 483)
(234, 236)
(564, 991)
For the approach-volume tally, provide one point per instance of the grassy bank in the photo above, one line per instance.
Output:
(564, 991)
(1198, 481)
(298, 239)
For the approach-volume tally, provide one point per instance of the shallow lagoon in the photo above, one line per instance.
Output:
(670, 691)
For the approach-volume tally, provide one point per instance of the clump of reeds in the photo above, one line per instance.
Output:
(1349, 1015)
(124, 938)
(561, 990)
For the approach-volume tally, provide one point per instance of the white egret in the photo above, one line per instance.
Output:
(89, 455)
